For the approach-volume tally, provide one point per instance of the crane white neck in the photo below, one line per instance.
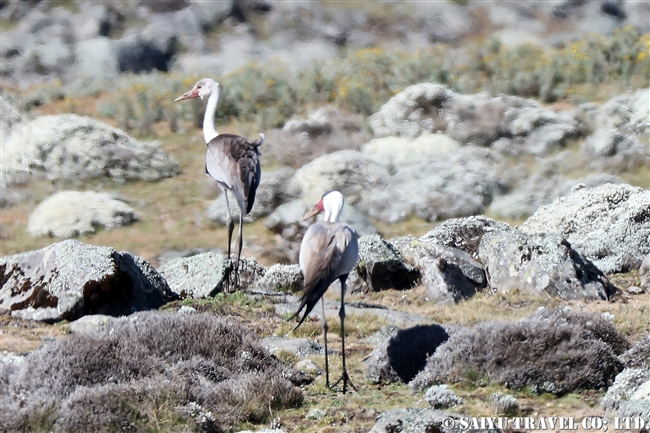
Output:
(209, 130)
(332, 206)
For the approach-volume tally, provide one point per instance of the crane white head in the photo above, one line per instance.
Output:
(203, 87)
(331, 203)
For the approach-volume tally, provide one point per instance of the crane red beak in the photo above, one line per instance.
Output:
(194, 93)
(314, 211)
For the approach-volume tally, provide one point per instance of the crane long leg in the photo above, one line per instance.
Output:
(324, 323)
(231, 223)
(231, 226)
(344, 377)
(239, 246)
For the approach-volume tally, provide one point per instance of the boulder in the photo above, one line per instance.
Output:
(68, 147)
(628, 113)
(326, 130)
(614, 150)
(41, 46)
(461, 184)
(380, 266)
(401, 357)
(348, 171)
(554, 350)
(609, 224)
(444, 22)
(463, 233)
(415, 420)
(197, 276)
(477, 119)
(638, 356)
(542, 264)
(138, 54)
(413, 111)
(69, 279)
(283, 278)
(97, 58)
(448, 274)
(541, 189)
(73, 213)
(394, 151)
(629, 394)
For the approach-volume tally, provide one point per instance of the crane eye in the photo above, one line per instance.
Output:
(198, 87)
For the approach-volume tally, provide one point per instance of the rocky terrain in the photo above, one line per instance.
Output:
(494, 159)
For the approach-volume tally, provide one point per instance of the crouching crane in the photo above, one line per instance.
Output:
(233, 161)
(329, 251)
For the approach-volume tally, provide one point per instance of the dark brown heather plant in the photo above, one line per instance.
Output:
(554, 350)
(171, 370)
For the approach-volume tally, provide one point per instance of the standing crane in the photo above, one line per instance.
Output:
(233, 161)
(329, 251)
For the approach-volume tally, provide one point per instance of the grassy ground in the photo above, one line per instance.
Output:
(357, 411)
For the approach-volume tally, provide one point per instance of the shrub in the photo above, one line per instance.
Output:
(554, 351)
(145, 370)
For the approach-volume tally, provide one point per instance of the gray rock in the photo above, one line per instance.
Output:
(283, 278)
(41, 46)
(540, 263)
(350, 172)
(476, 119)
(613, 150)
(448, 274)
(541, 189)
(317, 124)
(395, 151)
(627, 383)
(638, 356)
(301, 347)
(69, 279)
(401, 357)
(461, 184)
(444, 22)
(413, 111)
(68, 147)
(198, 276)
(72, 213)
(91, 323)
(385, 333)
(549, 137)
(441, 397)
(271, 193)
(380, 266)
(627, 113)
(97, 58)
(463, 233)
(210, 14)
(412, 420)
(609, 224)
(644, 273)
